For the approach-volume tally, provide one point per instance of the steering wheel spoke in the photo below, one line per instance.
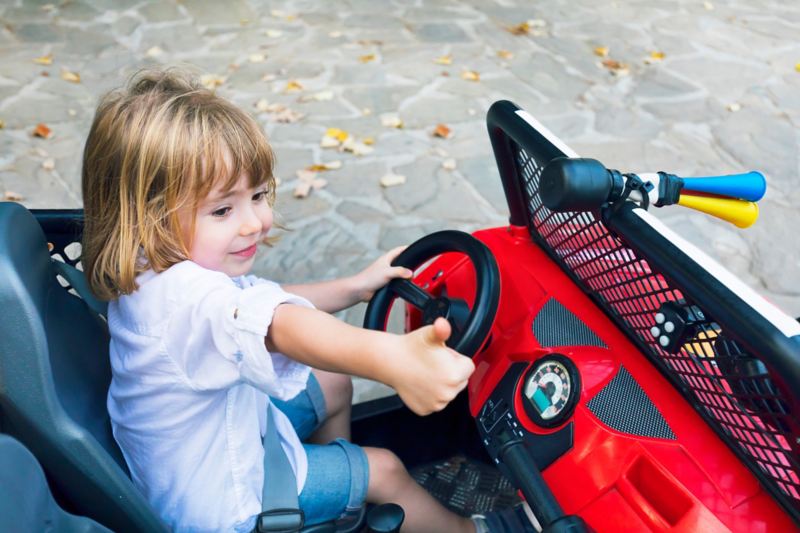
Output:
(410, 292)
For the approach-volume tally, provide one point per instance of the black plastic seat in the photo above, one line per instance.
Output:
(54, 377)
(32, 509)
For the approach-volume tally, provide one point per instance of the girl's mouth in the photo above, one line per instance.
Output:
(247, 252)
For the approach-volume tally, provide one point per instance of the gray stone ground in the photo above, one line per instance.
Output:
(725, 98)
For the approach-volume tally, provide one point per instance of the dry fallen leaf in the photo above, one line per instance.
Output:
(442, 131)
(321, 96)
(369, 141)
(601, 51)
(12, 196)
(733, 107)
(49, 164)
(262, 105)
(709, 6)
(444, 60)
(366, 58)
(257, 58)
(42, 131)
(268, 77)
(656, 55)
(2, 124)
(616, 67)
(449, 164)
(293, 86)
(322, 167)
(338, 134)
(211, 81)
(273, 33)
(519, 29)
(335, 34)
(286, 116)
(302, 189)
(355, 147)
(505, 54)
(797, 67)
(391, 120)
(319, 183)
(392, 180)
(470, 75)
(44, 60)
(70, 76)
(154, 51)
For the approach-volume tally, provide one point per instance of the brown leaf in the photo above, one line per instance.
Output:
(2, 124)
(505, 54)
(366, 58)
(519, 29)
(442, 131)
(70, 76)
(12, 196)
(44, 60)
(616, 67)
(42, 131)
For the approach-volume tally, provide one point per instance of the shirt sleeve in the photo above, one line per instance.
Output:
(217, 336)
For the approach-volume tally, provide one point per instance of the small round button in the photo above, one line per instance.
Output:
(655, 332)
(660, 318)
(669, 327)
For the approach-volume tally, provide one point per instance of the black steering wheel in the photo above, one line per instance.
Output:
(469, 327)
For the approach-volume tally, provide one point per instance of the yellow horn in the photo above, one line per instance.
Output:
(739, 212)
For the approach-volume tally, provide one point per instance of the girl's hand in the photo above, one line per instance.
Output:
(379, 274)
(427, 374)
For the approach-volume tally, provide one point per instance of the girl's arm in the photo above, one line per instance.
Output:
(425, 373)
(335, 295)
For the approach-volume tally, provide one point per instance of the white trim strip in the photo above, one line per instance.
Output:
(785, 324)
(558, 143)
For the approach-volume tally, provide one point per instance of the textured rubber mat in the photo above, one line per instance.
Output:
(466, 487)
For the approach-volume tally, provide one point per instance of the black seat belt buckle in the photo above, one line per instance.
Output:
(280, 521)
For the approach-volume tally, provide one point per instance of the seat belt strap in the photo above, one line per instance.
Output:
(279, 505)
(78, 282)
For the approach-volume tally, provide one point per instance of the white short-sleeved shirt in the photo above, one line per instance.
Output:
(188, 396)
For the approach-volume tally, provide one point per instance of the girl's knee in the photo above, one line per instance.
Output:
(337, 389)
(386, 474)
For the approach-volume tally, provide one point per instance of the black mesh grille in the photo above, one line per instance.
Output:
(624, 406)
(555, 325)
(730, 386)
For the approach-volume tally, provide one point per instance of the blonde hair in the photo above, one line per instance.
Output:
(155, 147)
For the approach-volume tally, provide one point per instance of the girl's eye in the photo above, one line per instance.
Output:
(221, 212)
(259, 196)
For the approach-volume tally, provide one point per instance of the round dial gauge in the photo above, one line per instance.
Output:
(550, 390)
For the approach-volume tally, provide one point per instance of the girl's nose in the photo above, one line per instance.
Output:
(251, 223)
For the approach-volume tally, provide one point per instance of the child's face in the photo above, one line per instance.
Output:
(227, 228)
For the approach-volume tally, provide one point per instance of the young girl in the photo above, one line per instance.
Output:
(177, 190)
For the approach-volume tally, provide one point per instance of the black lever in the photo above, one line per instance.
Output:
(540, 498)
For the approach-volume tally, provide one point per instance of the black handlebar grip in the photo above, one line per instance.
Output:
(575, 184)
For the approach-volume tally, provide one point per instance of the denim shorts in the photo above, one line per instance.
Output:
(338, 472)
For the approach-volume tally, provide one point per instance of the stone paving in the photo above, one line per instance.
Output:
(724, 98)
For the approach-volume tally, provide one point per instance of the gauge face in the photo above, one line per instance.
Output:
(550, 390)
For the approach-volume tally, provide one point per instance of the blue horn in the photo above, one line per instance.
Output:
(750, 186)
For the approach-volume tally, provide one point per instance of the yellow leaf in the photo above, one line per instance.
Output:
(366, 58)
(44, 60)
(444, 60)
(470, 75)
(505, 54)
(601, 51)
(70, 76)
(797, 67)
(293, 86)
(391, 120)
(336, 133)
(519, 29)
(657, 56)
(369, 141)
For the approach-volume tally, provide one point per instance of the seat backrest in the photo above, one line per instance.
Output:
(54, 378)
